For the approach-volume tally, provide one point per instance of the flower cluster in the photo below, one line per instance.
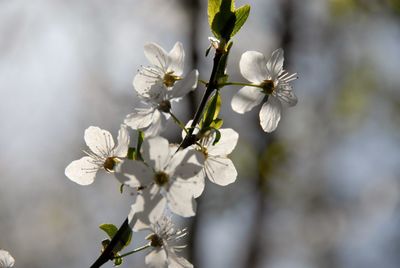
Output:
(167, 178)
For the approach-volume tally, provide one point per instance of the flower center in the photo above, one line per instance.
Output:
(164, 106)
(155, 240)
(170, 79)
(204, 151)
(110, 163)
(161, 178)
(268, 86)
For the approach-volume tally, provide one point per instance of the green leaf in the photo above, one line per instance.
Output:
(131, 153)
(217, 123)
(241, 14)
(224, 20)
(140, 140)
(213, 9)
(109, 228)
(212, 110)
(217, 136)
(117, 260)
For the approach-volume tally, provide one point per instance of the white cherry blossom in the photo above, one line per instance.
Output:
(271, 81)
(102, 154)
(158, 86)
(164, 242)
(6, 260)
(218, 168)
(165, 173)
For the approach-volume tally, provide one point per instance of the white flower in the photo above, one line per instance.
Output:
(173, 175)
(159, 85)
(102, 154)
(163, 241)
(6, 260)
(274, 82)
(217, 166)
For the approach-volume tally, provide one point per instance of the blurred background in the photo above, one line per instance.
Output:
(321, 191)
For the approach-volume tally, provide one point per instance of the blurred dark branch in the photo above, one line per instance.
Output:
(193, 11)
(256, 253)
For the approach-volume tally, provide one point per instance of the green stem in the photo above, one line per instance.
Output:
(134, 251)
(239, 84)
(178, 122)
(203, 82)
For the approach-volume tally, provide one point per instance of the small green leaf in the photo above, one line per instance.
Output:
(117, 260)
(241, 14)
(212, 110)
(224, 20)
(213, 9)
(217, 123)
(131, 153)
(217, 136)
(140, 140)
(109, 228)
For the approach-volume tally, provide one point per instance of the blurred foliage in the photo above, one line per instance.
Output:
(354, 99)
(343, 7)
(273, 159)
(394, 5)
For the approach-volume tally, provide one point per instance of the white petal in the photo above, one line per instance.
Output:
(176, 59)
(253, 66)
(180, 198)
(146, 78)
(156, 152)
(136, 208)
(134, 173)
(226, 144)
(99, 141)
(186, 163)
(157, 209)
(156, 55)
(123, 142)
(220, 170)
(155, 93)
(197, 183)
(140, 118)
(6, 260)
(275, 63)
(149, 209)
(177, 262)
(82, 171)
(246, 99)
(270, 114)
(157, 258)
(183, 87)
(285, 93)
(158, 124)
